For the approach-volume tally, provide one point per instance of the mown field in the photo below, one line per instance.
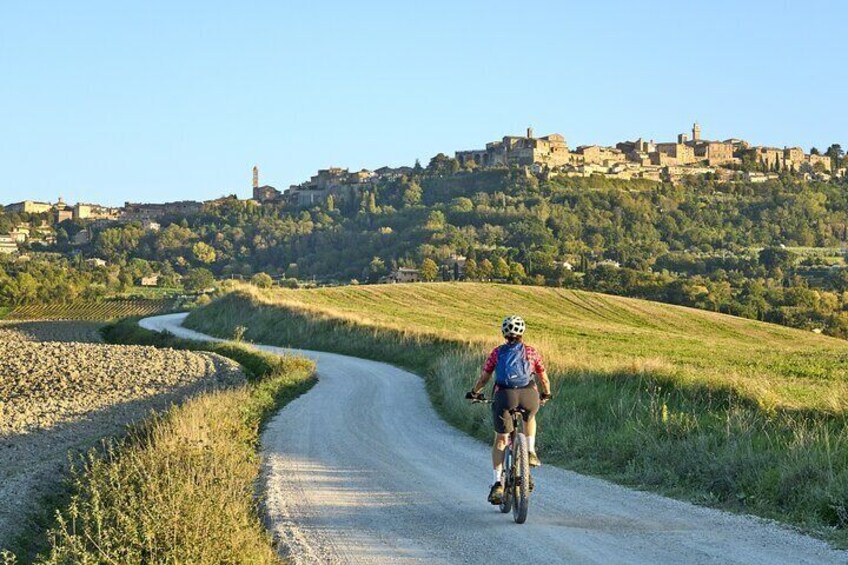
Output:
(720, 410)
(103, 311)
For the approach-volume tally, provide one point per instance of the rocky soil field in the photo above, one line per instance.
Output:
(63, 395)
(59, 330)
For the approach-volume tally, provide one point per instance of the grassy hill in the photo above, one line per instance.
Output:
(721, 410)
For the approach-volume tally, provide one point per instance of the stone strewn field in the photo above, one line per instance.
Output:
(57, 396)
(58, 330)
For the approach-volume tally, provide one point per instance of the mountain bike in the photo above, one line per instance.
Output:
(517, 481)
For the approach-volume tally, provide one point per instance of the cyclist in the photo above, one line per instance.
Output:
(514, 363)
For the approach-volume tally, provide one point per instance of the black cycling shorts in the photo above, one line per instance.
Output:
(507, 399)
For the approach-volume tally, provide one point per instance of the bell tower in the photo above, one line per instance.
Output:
(696, 132)
(255, 177)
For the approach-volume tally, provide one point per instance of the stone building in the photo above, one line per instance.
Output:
(550, 150)
(94, 212)
(141, 212)
(769, 157)
(597, 155)
(7, 245)
(339, 183)
(264, 193)
(405, 275)
(150, 280)
(63, 211)
(713, 152)
(673, 154)
(393, 173)
(824, 160)
(28, 207)
(793, 155)
(20, 233)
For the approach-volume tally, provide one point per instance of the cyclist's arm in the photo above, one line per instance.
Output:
(481, 382)
(545, 382)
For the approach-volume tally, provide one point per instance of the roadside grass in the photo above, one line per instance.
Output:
(722, 411)
(4, 311)
(180, 488)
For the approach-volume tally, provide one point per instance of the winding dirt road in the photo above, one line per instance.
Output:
(362, 470)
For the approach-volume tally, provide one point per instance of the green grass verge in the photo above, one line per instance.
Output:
(181, 487)
(648, 422)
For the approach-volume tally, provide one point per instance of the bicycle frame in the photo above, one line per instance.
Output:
(517, 480)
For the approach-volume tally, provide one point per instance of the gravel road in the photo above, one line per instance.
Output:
(362, 470)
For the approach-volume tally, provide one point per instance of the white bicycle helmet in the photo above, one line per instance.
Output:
(513, 326)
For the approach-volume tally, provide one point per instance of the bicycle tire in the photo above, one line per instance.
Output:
(506, 500)
(521, 480)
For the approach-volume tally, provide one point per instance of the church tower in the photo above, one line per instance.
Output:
(696, 132)
(255, 177)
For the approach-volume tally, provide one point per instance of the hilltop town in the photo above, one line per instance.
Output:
(690, 155)
(550, 156)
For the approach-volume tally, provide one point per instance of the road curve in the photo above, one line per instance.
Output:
(362, 470)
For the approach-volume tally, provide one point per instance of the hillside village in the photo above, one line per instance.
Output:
(690, 155)
(550, 156)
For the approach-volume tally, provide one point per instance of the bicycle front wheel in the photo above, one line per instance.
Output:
(520, 480)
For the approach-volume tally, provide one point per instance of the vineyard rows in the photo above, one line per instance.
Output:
(95, 311)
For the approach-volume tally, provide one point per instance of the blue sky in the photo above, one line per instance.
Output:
(157, 101)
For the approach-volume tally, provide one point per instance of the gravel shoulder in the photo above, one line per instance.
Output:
(62, 395)
(362, 470)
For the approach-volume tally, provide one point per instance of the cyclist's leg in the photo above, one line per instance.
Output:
(502, 402)
(498, 452)
(529, 398)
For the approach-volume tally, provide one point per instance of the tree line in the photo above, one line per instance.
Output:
(700, 242)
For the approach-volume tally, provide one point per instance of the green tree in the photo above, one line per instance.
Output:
(429, 270)
(376, 269)
(262, 280)
(203, 252)
(517, 273)
(196, 280)
(412, 194)
(485, 270)
(27, 288)
(773, 258)
(125, 281)
(471, 272)
(436, 221)
(501, 269)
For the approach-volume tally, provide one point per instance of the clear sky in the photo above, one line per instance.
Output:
(159, 101)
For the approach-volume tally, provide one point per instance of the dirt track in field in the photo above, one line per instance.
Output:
(362, 470)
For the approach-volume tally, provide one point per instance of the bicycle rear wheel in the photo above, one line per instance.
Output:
(506, 500)
(520, 480)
